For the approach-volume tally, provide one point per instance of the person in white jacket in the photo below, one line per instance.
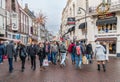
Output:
(100, 56)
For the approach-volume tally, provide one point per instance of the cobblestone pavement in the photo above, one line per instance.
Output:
(54, 73)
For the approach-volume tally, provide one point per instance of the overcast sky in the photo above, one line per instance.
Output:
(51, 8)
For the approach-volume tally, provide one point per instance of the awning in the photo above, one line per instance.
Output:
(71, 29)
(106, 39)
(82, 25)
(101, 22)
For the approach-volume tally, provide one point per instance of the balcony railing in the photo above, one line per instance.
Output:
(115, 6)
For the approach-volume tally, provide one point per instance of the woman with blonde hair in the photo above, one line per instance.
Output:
(100, 56)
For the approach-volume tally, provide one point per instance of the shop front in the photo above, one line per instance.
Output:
(110, 45)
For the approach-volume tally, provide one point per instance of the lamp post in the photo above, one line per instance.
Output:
(79, 12)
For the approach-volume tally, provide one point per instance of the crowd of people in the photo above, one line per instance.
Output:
(54, 52)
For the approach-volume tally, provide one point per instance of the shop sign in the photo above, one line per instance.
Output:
(71, 21)
(109, 15)
(103, 36)
(18, 36)
(103, 8)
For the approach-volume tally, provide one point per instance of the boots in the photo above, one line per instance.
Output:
(98, 67)
(104, 68)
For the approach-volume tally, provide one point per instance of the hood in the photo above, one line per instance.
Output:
(98, 46)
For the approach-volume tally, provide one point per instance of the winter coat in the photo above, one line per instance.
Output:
(10, 50)
(41, 53)
(1, 49)
(32, 50)
(23, 52)
(89, 49)
(100, 53)
(70, 48)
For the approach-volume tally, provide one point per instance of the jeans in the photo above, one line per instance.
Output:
(89, 57)
(54, 57)
(78, 61)
(63, 58)
(49, 57)
(10, 60)
(0, 58)
(73, 57)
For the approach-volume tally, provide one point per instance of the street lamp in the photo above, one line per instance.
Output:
(79, 12)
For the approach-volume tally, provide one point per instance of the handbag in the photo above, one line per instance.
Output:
(45, 62)
(85, 60)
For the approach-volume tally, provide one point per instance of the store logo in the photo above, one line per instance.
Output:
(103, 8)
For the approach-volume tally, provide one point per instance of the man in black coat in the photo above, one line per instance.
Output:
(32, 52)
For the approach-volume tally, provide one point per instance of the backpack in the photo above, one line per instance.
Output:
(78, 50)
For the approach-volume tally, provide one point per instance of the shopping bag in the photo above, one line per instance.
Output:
(107, 58)
(45, 62)
(5, 57)
(85, 60)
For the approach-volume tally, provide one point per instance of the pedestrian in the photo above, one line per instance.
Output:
(47, 51)
(54, 51)
(100, 56)
(71, 51)
(32, 52)
(23, 55)
(78, 55)
(42, 55)
(17, 50)
(58, 54)
(4, 50)
(10, 52)
(89, 52)
(63, 53)
(27, 50)
(16, 54)
(1, 52)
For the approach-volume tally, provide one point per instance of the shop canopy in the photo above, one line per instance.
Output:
(82, 25)
(102, 22)
(106, 39)
(71, 29)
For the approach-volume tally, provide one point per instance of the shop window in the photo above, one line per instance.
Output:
(112, 48)
(109, 28)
